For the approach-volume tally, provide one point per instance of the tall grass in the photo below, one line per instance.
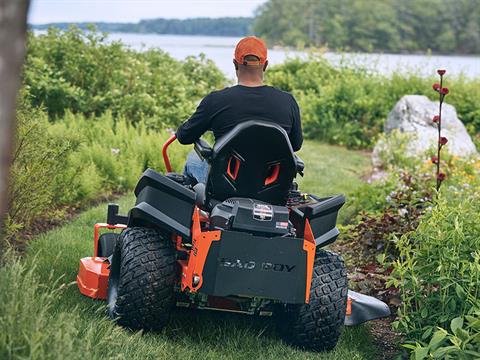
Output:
(32, 327)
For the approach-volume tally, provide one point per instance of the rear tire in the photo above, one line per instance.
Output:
(141, 280)
(318, 325)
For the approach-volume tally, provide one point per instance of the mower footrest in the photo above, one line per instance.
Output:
(92, 278)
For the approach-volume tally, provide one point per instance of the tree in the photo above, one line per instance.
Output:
(13, 26)
(443, 26)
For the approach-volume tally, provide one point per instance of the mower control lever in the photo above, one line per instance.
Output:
(300, 165)
(112, 215)
(203, 149)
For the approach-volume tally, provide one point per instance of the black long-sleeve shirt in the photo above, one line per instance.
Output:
(222, 110)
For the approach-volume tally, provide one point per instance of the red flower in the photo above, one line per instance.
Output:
(436, 86)
(444, 91)
(441, 176)
(441, 72)
(436, 118)
(443, 140)
(434, 159)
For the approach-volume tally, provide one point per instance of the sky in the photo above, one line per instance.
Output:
(47, 11)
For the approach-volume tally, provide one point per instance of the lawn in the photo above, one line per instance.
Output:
(39, 322)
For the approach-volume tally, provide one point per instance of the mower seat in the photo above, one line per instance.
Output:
(243, 165)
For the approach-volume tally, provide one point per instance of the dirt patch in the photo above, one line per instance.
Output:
(366, 276)
(386, 340)
(64, 214)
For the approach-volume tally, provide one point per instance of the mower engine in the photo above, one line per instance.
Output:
(255, 217)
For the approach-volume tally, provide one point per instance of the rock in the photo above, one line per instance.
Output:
(413, 115)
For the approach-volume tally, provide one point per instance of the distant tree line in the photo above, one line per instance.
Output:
(443, 26)
(226, 26)
(396, 26)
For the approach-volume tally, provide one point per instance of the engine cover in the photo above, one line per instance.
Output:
(251, 216)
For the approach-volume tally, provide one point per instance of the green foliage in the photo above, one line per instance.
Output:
(226, 26)
(348, 105)
(431, 242)
(118, 151)
(444, 26)
(38, 158)
(388, 208)
(460, 341)
(83, 73)
(93, 116)
(33, 328)
(77, 160)
(436, 265)
(438, 270)
(392, 150)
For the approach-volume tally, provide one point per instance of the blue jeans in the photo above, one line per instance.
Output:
(196, 168)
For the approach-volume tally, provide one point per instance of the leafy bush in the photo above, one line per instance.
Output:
(117, 151)
(38, 158)
(461, 341)
(92, 116)
(392, 149)
(430, 241)
(77, 160)
(348, 105)
(83, 73)
(386, 209)
(438, 269)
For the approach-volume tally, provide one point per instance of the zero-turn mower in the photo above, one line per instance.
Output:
(247, 241)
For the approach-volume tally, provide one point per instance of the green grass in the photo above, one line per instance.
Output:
(39, 322)
(331, 169)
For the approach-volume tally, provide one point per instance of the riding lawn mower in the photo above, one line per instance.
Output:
(247, 241)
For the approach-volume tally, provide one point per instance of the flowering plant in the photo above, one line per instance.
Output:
(437, 120)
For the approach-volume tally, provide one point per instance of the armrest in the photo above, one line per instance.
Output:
(300, 165)
(203, 149)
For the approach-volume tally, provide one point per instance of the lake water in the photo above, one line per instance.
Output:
(220, 50)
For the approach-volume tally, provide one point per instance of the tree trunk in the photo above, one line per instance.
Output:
(13, 25)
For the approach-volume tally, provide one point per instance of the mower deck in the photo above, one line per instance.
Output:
(92, 278)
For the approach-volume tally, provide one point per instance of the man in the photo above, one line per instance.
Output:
(250, 99)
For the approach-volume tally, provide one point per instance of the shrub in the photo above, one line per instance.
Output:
(77, 160)
(430, 245)
(117, 151)
(438, 269)
(348, 105)
(38, 158)
(388, 208)
(460, 341)
(92, 116)
(391, 150)
(82, 72)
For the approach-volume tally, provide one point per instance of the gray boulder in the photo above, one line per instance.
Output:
(413, 115)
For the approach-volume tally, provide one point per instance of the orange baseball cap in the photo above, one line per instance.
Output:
(251, 45)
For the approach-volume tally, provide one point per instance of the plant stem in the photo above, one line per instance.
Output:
(439, 146)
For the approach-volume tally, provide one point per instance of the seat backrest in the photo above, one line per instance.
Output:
(254, 160)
